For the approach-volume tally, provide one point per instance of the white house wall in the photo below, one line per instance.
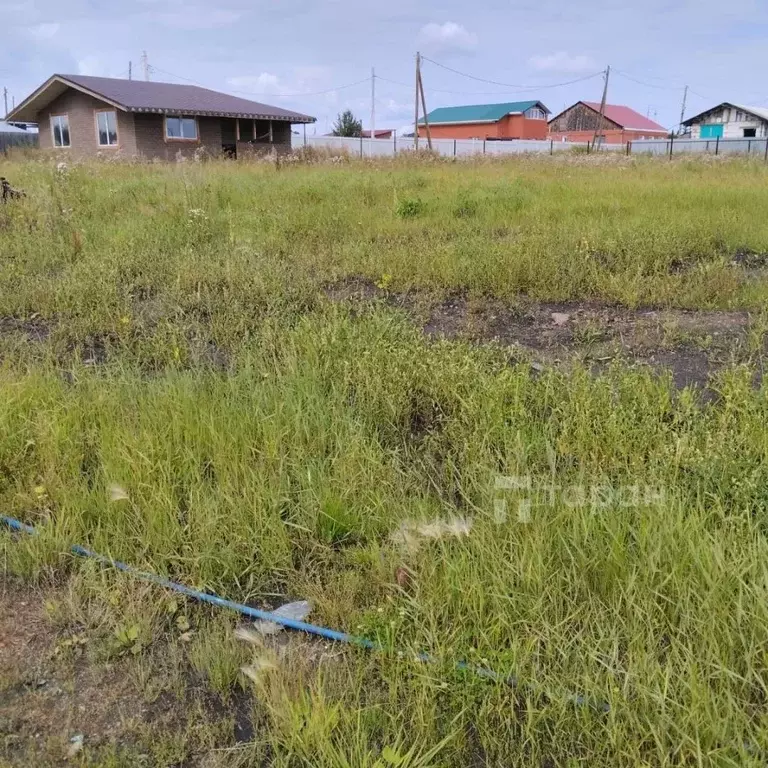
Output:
(732, 128)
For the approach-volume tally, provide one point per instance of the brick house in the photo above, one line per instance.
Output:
(620, 124)
(90, 115)
(511, 120)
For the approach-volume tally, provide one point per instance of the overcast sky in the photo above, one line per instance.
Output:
(281, 52)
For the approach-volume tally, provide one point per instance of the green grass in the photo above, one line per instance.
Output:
(286, 471)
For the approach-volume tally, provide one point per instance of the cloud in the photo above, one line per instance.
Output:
(90, 65)
(302, 79)
(264, 83)
(447, 38)
(44, 31)
(562, 61)
(191, 19)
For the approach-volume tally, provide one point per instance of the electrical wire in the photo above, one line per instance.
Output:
(510, 85)
(444, 90)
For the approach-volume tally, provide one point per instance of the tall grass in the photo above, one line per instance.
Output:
(287, 472)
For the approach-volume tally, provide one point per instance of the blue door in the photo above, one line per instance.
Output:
(712, 131)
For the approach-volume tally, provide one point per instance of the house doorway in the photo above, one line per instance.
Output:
(229, 137)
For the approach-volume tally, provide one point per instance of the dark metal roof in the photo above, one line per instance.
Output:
(169, 98)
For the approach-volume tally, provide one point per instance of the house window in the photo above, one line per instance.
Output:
(107, 128)
(535, 113)
(60, 128)
(181, 128)
(750, 133)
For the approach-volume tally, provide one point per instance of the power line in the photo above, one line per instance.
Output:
(445, 90)
(266, 93)
(510, 85)
(660, 87)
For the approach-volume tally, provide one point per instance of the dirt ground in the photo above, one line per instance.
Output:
(60, 704)
(689, 345)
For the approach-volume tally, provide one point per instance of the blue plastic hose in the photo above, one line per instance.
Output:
(301, 626)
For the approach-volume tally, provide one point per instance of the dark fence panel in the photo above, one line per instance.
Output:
(10, 140)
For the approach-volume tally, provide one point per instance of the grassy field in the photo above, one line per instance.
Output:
(186, 385)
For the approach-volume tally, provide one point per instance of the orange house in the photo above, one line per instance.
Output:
(511, 120)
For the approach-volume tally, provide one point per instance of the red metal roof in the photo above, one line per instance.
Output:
(627, 118)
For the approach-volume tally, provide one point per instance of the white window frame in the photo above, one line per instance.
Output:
(181, 138)
(53, 119)
(536, 113)
(98, 128)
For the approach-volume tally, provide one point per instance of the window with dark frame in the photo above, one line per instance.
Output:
(750, 133)
(107, 128)
(60, 128)
(181, 128)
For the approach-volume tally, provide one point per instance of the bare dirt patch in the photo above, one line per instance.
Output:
(690, 345)
(51, 698)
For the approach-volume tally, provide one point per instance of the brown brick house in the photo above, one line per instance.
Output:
(85, 115)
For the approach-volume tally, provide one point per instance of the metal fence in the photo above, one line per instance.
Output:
(365, 147)
(676, 146)
(21, 139)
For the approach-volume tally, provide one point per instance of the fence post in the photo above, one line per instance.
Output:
(454, 147)
(671, 144)
(394, 143)
(717, 146)
(766, 151)
(588, 145)
(707, 148)
(361, 145)
(629, 147)
(551, 146)
(766, 144)
(749, 146)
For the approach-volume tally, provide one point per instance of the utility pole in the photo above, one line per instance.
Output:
(424, 108)
(682, 110)
(416, 115)
(145, 65)
(130, 70)
(5, 99)
(599, 130)
(373, 106)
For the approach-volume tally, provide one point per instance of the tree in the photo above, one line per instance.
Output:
(347, 125)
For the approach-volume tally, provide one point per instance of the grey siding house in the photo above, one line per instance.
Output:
(135, 118)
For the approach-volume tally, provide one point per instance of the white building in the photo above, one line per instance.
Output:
(729, 121)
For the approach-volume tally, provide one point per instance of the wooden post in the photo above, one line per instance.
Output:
(599, 131)
(424, 108)
(454, 147)
(551, 146)
(671, 144)
(766, 151)
(361, 145)
(749, 147)
(237, 129)
(394, 143)
(485, 140)
(629, 148)
(717, 145)
(271, 135)
(416, 113)
(305, 132)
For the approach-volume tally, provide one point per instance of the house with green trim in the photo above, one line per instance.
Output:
(510, 120)
(729, 121)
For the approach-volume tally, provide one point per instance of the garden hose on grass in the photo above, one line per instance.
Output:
(276, 618)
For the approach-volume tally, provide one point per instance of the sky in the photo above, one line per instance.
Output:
(315, 56)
